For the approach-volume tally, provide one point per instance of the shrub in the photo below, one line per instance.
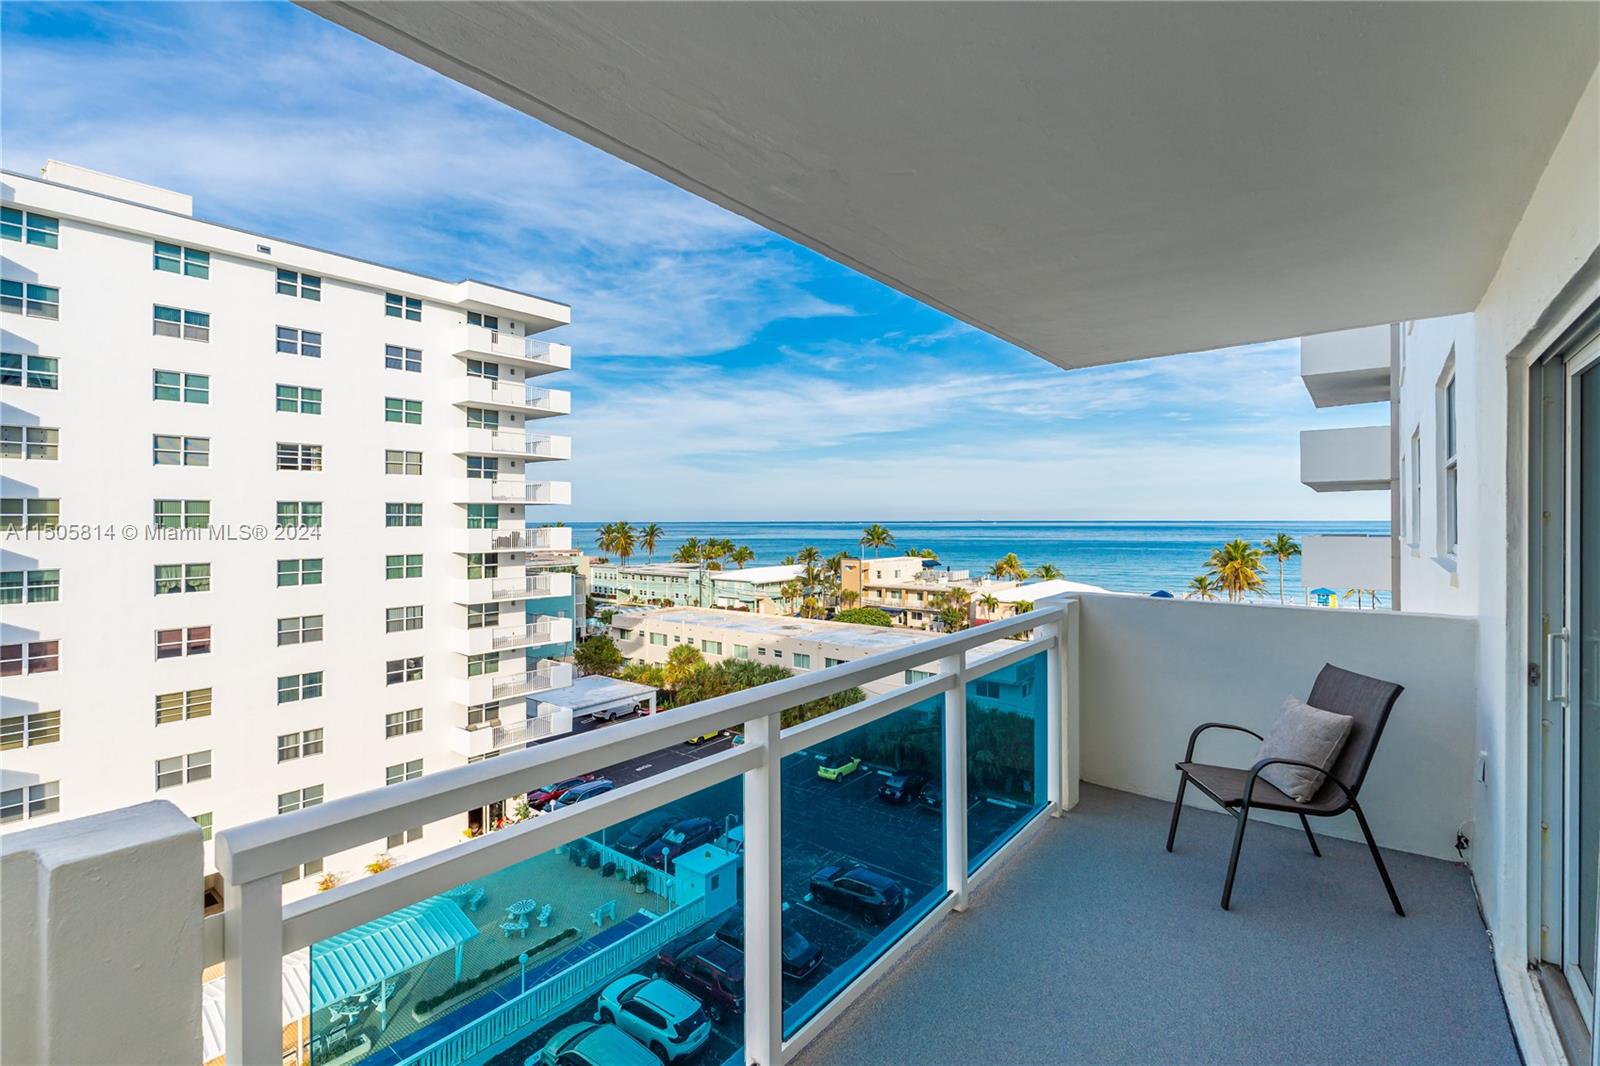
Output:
(381, 862)
(864, 616)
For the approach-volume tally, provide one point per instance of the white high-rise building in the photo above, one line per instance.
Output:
(264, 515)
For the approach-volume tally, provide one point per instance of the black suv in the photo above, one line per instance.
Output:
(856, 888)
(710, 969)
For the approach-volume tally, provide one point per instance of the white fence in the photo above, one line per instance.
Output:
(661, 882)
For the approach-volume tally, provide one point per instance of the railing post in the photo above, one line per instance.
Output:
(763, 892)
(955, 780)
(1054, 710)
(252, 931)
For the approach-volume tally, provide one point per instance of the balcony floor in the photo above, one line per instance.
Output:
(1096, 946)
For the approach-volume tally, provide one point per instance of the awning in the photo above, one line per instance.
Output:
(351, 962)
(214, 995)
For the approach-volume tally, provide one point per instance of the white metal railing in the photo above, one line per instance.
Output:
(516, 490)
(660, 882)
(550, 353)
(514, 394)
(259, 929)
(548, 676)
(545, 538)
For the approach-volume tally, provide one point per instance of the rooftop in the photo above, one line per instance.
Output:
(774, 627)
(1038, 590)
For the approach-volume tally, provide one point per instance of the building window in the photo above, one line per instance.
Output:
(479, 467)
(479, 369)
(292, 688)
(478, 418)
(190, 262)
(34, 301)
(802, 660)
(299, 572)
(397, 567)
(183, 705)
(32, 657)
(30, 586)
(408, 837)
(31, 371)
(482, 565)
(301, 514)
(403, 771)
(181, 514)
(396, 409)
(483, 615)
(1449, 468)
(305, 286)
(191, 640)
(483, 516)
(204, 822)
(299, 400)
(303, 871)
(829, 663)
(29, 730)
(399, 723)
(185, 388)
(402, 514)
(299, 456)
(397, 306)
(658, 639)
(29, 512)
(482, 714)
(298, 799)
(29, 227)
(180, 451)
(486, 321)
(183, 769)
(175, 578)
(178, 322)
(300, 629)
(396, 461)
(30, 802)
(304, 342)
(399, 671)
(398, 358)
(299, 745)
(711, 647)
(402, 619)
(1414, 517)
(30, 442)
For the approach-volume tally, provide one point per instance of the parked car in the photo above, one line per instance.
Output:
(902, 787)
(932, 796)
(617, 710)
(579, 793)
(658, 1014)
(641, 831)
(703, 737)
(859, 889)
(539, 798)
(591, 1044)
(710, 969)
(684, 836)
(800, 956)
(839, 771)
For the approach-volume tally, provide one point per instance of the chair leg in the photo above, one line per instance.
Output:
(1233, 860)
(1177, 808)
(1314, 849)
(1383, 871)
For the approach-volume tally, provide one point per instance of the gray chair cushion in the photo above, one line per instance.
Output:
(1306, 734)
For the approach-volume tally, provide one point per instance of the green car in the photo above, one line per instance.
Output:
(838, 773)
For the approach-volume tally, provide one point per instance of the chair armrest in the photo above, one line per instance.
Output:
(1255, 772)
(1188, 755)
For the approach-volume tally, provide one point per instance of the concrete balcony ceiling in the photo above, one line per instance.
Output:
(1345, 460)
(1093, 182)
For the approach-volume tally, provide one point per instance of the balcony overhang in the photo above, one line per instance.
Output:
(1345, 460)
(1348, 367)
(1093, 182)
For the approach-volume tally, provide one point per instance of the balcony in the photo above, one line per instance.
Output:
(1345, 460)
(544, 630)
(539, 539)
(511, 396)
(1347, 367)
(513, 490)
(475, 741)
(509, 444)
(509, 684)
(513, 587)
(1345, 561)
(508, 349)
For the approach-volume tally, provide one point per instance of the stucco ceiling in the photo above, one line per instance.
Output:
(1093, 182)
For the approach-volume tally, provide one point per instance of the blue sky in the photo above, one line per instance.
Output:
(721, 371)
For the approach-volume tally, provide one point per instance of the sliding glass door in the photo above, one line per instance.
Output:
(1575, 657)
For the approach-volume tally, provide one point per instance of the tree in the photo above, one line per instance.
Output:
(644, 674)
(598, 655)
(622, 541)
(847, 598)
(990, 604)
(864, 616)
(952, 619)
(649, 537)
(876, 536)
(810, 558)
(791, 591)
(1283, 548)
(682, 660)
(1023, 606)
(690, 551)
(835, 563)
(1047, 572)
(742, 555)
(1201, 587)
(1237, 566)
(787, 560)
(1009, 567)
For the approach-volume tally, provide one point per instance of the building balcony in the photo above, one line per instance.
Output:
(513, 490)
(513, 397)
(510, 684)
(1347, 561)
(509, 444)
(476, 741)
(1347, 367)
(507, 349)
(513, 587)
(543, 630)
(1345, 460)
(538, 539)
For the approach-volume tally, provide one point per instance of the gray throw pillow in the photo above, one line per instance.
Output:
(1306, 734)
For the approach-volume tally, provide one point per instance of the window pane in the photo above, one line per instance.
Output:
(1006, 723)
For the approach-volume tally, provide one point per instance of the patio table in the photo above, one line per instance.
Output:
(521, 907)
(460, 894)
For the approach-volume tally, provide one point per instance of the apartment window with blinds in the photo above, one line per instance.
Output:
(183, 769)
(297, 799)
(397, 409)
(31, 301)
(182, 705)
(176, 259)
(29, 512)
(483, 615)
(483, 564)
(30, 442)
(29, 227)
(298, 400)
(478, 418)
(29, 730)
(711, 647)
(30, 586)
(300, 629)
(299, 456)
(479, 369)
(183, 388)
(30, 801)
(486, 321)
(30, 657)
(180, 322)
(293, 572)
(30, 371)
(482, 714)
(399, 723)
(299, 745)
(486, 663)
(399, 671)
(403, 771)
(483, 516)
(306, 342)
(406, 307)
(184, 640)
(397, 358)
(396, 461)
(300, 513)
(480, 467)
(293, 688)
(399, 567)
(402, 514)
(181, 514)
(175, 578)
(180, 451)
(204, 822)
(658, 639)
(402, 619)
(305, 286)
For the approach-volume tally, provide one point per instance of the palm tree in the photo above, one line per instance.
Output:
(1047, 572)
(848, 597)
(1023, 606)
(875, 537)
(1283, 548)
(741, 555)
(649, 536)
(990, 604)
(689, 551)
(835, 563)
(1238, 568)
(787, 560)
(1009, 566)
(810, 558)
(792, 591)
(604, 536)
(1359, 594)
(622, 541)
(1201, 588)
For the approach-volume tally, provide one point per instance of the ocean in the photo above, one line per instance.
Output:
(1122, 556)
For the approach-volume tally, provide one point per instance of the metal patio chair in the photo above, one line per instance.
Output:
(1368, 702)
